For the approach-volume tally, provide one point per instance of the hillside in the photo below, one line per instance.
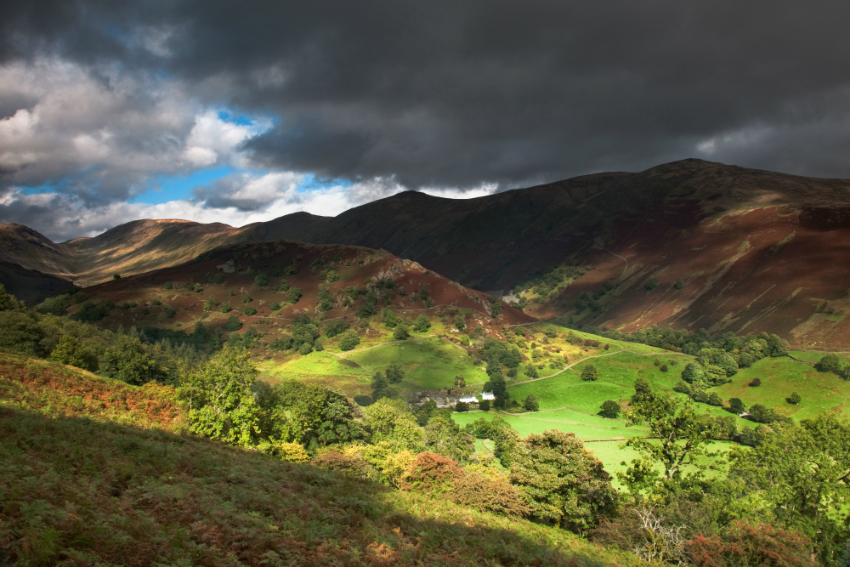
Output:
(81, 488)
(267, 286)
(689, 244)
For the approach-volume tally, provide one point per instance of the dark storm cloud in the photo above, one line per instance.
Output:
(460, 93)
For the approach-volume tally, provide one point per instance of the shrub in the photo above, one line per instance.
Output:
(226, 307)
(250, 311)
(488, 494)
(422, 324)
(829, 363)
(283, 286)
(610, 409)
(431, 471)
(401, 333)
(460, 325)
(363, 401)
(679, 283)
(664, 368)
(683, 388)
(294, 295)
(349, 464)
(751, 545)
(461, 406)
(247, 298)
(275, 306)
(261, 280)
(233, 324)
(736, 405)
(349, 340)
(794, 398)
(755, 382)
(484, 405)
(530, 403)
(590, 373)
(714, 399)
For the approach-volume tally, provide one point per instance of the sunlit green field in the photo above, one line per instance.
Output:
(428, 362)
(780, 377)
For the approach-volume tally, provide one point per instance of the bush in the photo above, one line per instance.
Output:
(756, 382)
(736, 405)
(610, 409)
(275, 306)
(226, 307)
(401, 333)
(794, 398)
(461, 406)
(530, 403)
(683, 388)
(590, 373)
(349, 340)
(250, 311)
(431, 471)
(422, 324)
(488, 494)
(484, 405)
(664, 368)
(350, 464)
(294, 295)
(233, 324)
(261, 280)
(829, 363)
(751, 545)
(363, 401)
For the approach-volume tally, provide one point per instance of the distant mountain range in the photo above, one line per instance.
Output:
(690, 244)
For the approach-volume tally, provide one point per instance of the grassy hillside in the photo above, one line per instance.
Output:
(56, 390)
(88, 490)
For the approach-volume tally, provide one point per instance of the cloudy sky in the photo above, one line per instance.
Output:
(243, 111)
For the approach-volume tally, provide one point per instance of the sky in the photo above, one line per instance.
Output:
(239, 112)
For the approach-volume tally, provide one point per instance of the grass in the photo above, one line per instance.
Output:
(428, 362)
(820, 391)
(56, 390)
(77, 490)
(324, 368)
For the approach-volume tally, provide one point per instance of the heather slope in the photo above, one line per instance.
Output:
(79, 487)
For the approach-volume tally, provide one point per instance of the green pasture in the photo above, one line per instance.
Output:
(322, 368)
(428, 362)
(780, 377)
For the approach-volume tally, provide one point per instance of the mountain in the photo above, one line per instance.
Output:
(32, 286)
(257, 279)
(755, 250)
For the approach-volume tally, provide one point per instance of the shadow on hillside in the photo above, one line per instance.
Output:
(77, 490)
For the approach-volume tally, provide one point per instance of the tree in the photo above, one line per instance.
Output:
(795, 398)
(348, 340)
(294, 295)
(247, 298)
(563, 483)
(460, 325)
(401, 333)
(444, 436)
(223, 406)
(390, 319)
(71, 351)
(391, 422)
(130, 362)
(484, 405)
(610, 409)
(226, 307)
(422, 324)
(796, 477)
(233, 324)
(530, 403)
(678, 435)
(829, 363)
(590, 373)
(394, 373)
(736, 405)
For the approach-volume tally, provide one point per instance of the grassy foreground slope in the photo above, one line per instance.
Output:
(82, 491)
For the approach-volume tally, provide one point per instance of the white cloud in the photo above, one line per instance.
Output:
(453, 193)
(107, 131)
